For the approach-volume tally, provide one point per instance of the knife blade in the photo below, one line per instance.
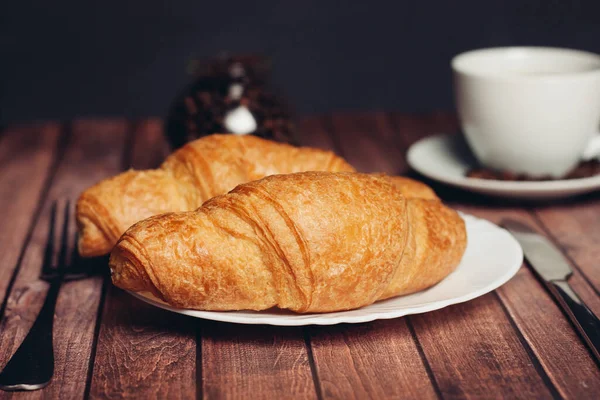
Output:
(554, 271)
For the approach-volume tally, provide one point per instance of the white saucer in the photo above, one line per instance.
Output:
(492, 257)
(446, 158)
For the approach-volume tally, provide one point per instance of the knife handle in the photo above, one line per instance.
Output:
(582, 317)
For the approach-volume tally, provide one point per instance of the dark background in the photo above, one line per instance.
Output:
(61, 59)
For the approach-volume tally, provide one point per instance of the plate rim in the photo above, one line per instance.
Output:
(498, 186)
(341, 316)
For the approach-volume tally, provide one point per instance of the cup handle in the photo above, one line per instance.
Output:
(593, 148)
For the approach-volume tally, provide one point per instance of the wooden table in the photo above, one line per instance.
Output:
(513, 343)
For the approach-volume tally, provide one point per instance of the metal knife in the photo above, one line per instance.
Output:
(554, 270)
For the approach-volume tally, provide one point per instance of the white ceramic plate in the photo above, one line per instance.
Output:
(492, 257)
(446, 158)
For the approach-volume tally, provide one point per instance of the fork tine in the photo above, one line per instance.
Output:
(75, 258)
(77, 268)
(47, 263)
(64, 240)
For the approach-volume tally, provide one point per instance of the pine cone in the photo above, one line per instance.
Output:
(230, 96)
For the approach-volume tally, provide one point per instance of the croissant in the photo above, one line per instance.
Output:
(198, 171)
(307, 242)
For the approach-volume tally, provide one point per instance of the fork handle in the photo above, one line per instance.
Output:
(32, 365)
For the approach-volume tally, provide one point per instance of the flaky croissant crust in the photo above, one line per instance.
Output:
(200, 170)
(307, 242)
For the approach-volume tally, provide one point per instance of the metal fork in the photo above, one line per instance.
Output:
(32, 365)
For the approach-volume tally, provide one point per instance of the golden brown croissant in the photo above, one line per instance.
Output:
(200, 170)
(307, 242)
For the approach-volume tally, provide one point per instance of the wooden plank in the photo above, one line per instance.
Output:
(311, 133)
(367, 141)
(553, 340)
(142, 351)
(473, 352)
(408, 128)
(376, 360)
(439, 122)
(260, 361)
(150, 147)
(94, 152)
(27, 154)
(379, 359)
(254, 361)
(537, 318)
(569, 365)
(448, 338)
(575, 225)
(578, 280)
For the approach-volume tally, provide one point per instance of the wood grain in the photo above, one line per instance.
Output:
(313, 133)
(375, 360)
(239, 361)
(253, 361)
(575, 225)
(553, 340)
(473, 352)
(380, 359)
(541, 322)
(26, 155)
(149, 145)
(142, 351)
(94, 151)
(534, 313)
(437, 339)
(367, 142)
(577, 280)
(513, 343)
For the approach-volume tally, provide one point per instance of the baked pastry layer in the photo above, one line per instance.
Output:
(307, 242)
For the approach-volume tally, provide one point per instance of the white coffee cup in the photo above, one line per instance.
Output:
(529, 110)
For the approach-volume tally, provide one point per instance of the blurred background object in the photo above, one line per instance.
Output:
(229, 94)
(129, 58)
